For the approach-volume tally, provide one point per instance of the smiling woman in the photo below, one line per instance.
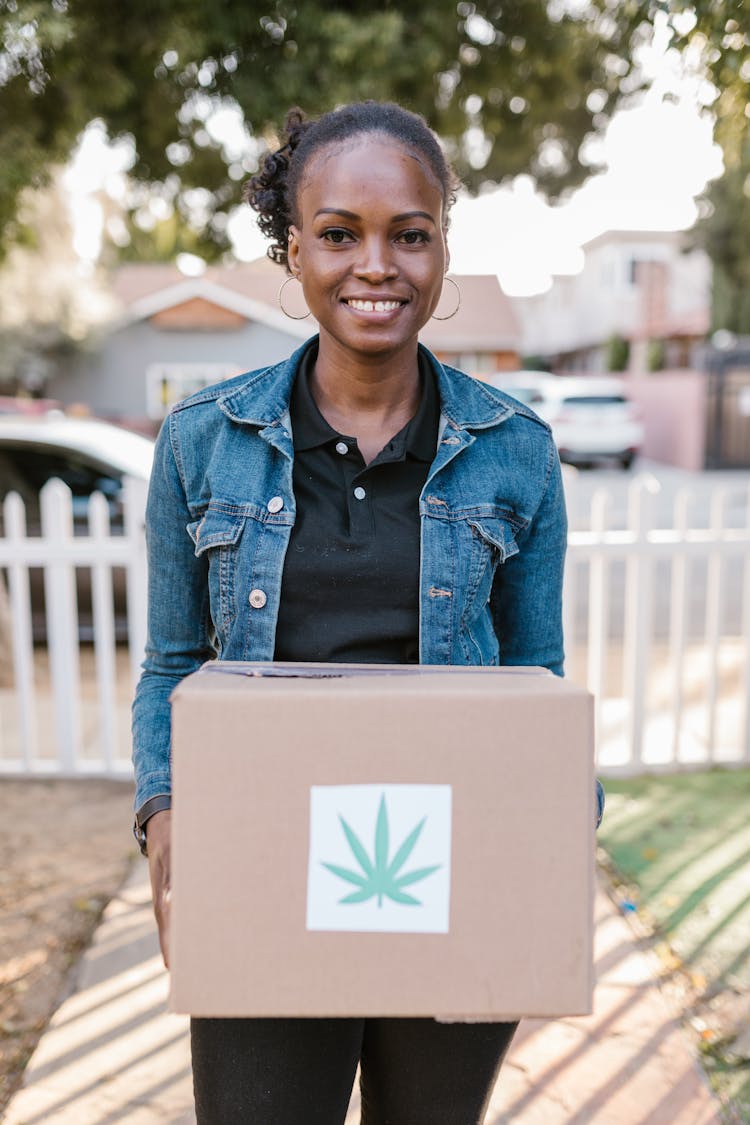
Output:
(358, 503)
(358, 203)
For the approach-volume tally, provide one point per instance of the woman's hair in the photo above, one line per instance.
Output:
(273, 191)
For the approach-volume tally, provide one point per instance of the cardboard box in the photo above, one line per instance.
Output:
(383, 841)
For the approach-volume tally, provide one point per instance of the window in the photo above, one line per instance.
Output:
(475, 363)
(167, 383)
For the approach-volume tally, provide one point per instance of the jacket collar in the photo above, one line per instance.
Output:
(263, 400)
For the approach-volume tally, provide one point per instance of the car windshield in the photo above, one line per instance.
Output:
(523, 394)
(595, 400)
(25, 468)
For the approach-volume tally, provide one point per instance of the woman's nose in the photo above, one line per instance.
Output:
(375, 260)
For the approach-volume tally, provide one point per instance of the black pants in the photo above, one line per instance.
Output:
(301, 1071)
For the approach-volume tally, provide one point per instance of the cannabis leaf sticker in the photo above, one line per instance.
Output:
(379, 877)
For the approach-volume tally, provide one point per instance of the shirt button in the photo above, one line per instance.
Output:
(275, 504)
(359, 492)
(342, 447)
(257, 599)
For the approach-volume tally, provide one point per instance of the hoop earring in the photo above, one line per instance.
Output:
(279, 298)
(458, 294)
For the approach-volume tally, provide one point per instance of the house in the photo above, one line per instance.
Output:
(176, 334)
(647, 288)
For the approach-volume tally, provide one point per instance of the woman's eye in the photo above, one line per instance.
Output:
(413, 237)
(336, 235)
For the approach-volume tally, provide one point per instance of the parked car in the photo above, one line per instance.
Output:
(89, 456)
(592, 418)
(526, 386)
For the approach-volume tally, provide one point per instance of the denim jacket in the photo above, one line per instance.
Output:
(221, 509)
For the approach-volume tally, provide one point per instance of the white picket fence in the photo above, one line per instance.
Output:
(657, 626)
(65, 708)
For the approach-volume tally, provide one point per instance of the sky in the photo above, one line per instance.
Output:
(658, 156)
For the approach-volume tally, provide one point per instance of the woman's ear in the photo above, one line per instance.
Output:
(292, 251)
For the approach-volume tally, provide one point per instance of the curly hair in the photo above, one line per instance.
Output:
(273, 191)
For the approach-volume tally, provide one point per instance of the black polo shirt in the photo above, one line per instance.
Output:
(350, 586)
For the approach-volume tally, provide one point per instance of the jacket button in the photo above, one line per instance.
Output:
(257, 599)
(275, 504)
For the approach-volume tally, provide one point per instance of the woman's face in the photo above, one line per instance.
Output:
(370, 246)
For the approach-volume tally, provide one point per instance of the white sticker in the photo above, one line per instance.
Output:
(379, 858)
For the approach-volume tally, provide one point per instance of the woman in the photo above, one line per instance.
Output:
(357, 502)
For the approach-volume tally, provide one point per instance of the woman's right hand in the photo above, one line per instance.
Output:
(158, 844)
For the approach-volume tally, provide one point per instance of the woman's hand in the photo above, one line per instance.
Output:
(158, 843)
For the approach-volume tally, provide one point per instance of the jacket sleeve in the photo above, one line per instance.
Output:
(178, 638)
(526, 596)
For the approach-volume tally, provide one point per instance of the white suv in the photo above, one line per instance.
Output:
(591, 416)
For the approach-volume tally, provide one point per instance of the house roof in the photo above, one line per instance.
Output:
(625, 237)
(145, 290)
(486, 320)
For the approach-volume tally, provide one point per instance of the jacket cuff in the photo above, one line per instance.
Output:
(148, 809)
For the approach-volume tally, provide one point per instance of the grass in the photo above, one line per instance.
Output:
(680, 846)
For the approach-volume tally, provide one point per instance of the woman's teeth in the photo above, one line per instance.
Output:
(374, 306)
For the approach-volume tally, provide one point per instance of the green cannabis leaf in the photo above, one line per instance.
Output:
(378, 876)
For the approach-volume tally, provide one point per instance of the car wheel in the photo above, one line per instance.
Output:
(627, 460)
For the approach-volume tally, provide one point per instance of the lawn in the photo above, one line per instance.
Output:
(680, 847)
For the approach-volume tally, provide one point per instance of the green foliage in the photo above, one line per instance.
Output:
(723, 234)
(514, 87)
(721, 41)
(523, 75)
(379, 876)
(655, 355)
(681, 843)
(618, 353)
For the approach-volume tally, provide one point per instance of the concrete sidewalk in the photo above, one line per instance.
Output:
(112, 1053)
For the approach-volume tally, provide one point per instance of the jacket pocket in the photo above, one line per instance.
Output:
(489, 541)
(216, 537)
(497, 535)
(218, 527)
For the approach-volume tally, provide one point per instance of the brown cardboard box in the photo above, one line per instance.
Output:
(352, 840)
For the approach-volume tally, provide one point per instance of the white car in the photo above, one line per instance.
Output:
(592, 418)
(89, 456)
(526, 386)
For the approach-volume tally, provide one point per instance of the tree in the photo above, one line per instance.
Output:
(49, 302)
(714, 40)
(723, 232)
(512, 87)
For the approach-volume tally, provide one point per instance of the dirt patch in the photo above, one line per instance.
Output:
(65, 847)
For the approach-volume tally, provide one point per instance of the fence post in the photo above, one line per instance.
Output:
(638, 604)
(569, 477)
(134, 502)
(102, 605)
(714, 602)
(678, 612)
(598, 605)
(62, 619)
(20, 623)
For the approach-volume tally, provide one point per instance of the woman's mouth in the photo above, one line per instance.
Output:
(369, 306)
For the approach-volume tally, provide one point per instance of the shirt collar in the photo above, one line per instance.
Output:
(261, 398)
(310, 429)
